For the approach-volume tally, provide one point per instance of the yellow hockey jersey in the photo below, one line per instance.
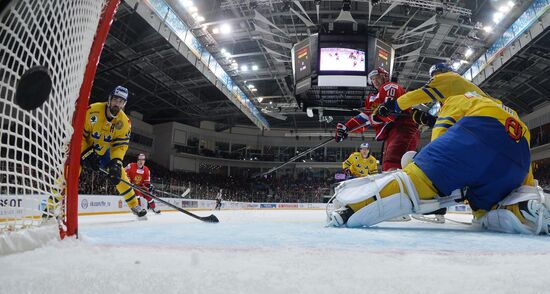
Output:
(359, 166)
(106, 135)
(440, 87)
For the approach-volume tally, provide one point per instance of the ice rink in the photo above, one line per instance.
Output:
(278, 251)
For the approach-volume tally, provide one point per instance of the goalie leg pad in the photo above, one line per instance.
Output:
(536, 212)
(403, 202)
(387, 208)
(504, 221)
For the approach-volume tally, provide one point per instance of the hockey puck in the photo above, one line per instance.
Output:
(33, 88)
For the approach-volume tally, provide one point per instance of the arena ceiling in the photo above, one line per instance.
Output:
(165, 87)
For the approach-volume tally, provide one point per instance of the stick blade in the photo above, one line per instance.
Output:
(186, 192)
(210, 219)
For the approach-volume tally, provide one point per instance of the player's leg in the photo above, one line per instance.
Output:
(129, 195)
(526, 211)
(124, 189)
(370, 200)
(401, 138)
(151, 203)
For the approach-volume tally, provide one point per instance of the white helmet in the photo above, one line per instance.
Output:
(364, 145)
(378, 71)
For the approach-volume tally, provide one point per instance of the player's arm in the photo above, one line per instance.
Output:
(347, 163)
(431, 92)
(358, 123)
(147, 178)
(86, 142)
(119, 144)
(455, 108)
(374, 168)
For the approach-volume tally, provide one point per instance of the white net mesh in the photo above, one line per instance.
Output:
(57, 34)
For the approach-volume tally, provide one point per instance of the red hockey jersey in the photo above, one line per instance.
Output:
(380, 125)
(139, 176)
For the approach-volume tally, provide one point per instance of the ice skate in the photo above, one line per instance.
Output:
(437, 218)
(140, 212)
(155, 210)
(340, 216)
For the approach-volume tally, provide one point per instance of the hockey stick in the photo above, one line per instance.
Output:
(175, 195)
(306, 152)
(210, 219)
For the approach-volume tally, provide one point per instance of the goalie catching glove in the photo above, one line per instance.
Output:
(114, 168)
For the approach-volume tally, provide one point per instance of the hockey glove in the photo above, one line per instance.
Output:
(150, 187)
(423, 118)
(348, 174)
(115, 169)
(90, 159)
(389, 107)
(341, 133)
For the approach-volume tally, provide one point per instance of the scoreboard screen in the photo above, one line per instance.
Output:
(302, 60)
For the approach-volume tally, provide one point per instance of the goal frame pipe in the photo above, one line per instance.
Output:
(72, 165)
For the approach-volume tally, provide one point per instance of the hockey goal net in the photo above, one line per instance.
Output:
(37, 158)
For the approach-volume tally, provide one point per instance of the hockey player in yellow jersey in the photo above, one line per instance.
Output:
(360, 164)
(105, 142)
(479, 152)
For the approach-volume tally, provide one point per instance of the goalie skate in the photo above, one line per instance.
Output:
(437, 218)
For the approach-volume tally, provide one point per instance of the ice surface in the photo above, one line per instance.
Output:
(278, 252)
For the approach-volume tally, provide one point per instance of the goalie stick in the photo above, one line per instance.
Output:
(210, 219)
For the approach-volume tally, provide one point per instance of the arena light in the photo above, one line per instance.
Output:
(504, 9)
(215, 31)
(254, 67)
(193, 9)
(200, 18)
(511, 4)
(488, 29)
(223, 51)
(244, 67)
(456, 65)
(225, 29)
(187, 3)
(195, 15)
(498, 16)
(468, 52)
(250, 86)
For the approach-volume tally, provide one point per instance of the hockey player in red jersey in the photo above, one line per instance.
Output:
(140, 175)
(399, 132)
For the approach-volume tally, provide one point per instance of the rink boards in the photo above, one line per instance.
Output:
(30, 206)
